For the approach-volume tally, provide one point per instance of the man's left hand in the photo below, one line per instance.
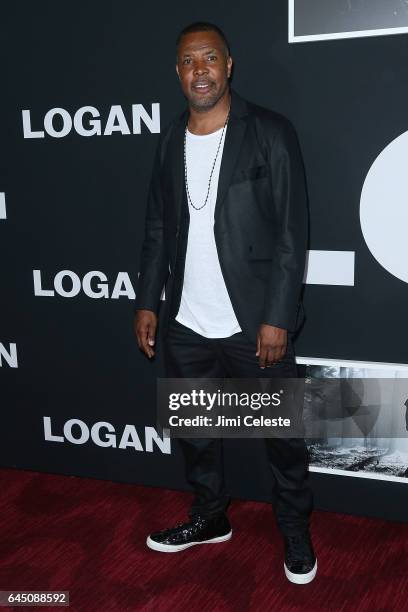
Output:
(271, 344)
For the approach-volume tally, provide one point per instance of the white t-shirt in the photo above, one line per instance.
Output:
(205, 305)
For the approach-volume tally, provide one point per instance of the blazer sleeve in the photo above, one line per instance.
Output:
(153, 260)
(290, 225)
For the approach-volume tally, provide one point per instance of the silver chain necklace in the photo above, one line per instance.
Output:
(212, 169)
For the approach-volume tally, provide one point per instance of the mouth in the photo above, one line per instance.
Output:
(202, 86)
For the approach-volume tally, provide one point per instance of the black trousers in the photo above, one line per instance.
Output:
(190, 355)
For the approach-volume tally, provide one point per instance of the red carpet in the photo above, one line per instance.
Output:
(88, 537)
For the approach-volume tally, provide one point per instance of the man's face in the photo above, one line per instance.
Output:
(204, 67)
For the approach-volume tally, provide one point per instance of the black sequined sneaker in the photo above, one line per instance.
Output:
(198, 530)
(300, 559)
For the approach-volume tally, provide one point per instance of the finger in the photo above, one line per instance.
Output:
(146, 348)
(139, 337)
(258, 345)
(263, 353)
(282, 352)
(284, 348)
(151, 335)
(276, 354)
(270, 358)
(151, 339)
(137, 333)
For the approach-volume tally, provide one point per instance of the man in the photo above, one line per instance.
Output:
(226, 230)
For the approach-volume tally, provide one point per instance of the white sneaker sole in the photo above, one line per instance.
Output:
(169, 548)
(301, 578)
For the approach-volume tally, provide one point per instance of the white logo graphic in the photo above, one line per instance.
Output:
(9, 355)
(329, 268)
(87, 122)
(384, 208)
(68, 284)
(3, 213)
(104, 434)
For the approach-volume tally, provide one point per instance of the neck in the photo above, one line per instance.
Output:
(211, 120)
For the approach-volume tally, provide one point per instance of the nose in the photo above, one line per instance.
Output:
(200, 68)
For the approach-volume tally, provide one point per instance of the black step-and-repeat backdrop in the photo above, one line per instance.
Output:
(86, 91)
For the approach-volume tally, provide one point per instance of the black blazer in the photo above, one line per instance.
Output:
(260, 220)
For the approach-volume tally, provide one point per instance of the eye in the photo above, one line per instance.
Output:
(187, 60)
(212, 58)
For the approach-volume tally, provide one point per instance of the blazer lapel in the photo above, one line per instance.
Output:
(176, 151)
(232, 146)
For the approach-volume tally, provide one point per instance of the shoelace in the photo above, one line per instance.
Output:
(187, 525)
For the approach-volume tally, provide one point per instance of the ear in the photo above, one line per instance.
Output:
(229, 66)
(177, 70)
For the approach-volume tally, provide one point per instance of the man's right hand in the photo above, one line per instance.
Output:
(145, 325)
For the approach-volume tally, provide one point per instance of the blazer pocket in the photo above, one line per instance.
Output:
(250, 174)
